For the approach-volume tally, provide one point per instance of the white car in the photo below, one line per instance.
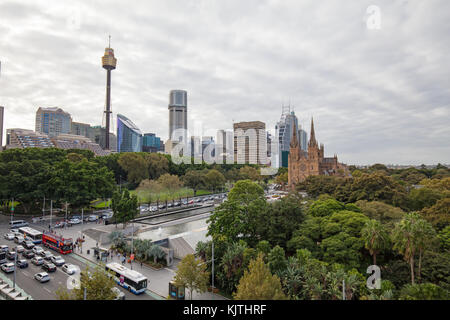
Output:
(75, 221)
(57, 261)
(8, 267)
(69, 269)
(93, 218)
(119, 294)
(4, 248)
(15, 232)
(18, 239)
(20, 249)
(42, 277)
(9, 236)
(38, 261)
(37, 250)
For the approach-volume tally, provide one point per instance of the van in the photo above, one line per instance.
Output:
(18, 224)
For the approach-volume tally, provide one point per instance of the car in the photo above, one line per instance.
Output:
(20, 249)
(49, 267)
(92, 218)
(176, 204)
(69, 268)
(60, 224)
(75, 221)
(75, 217)
(197, 200)
(18, 239)
(38, 250)
(11, 254)
(8, 267)
(57, 260)
(191, 202)
(37, 261)
(184, 202)
(28, 244)
(28, 254)
(22, 263)
(15, 232)
(169, 205)
(9, 236)
(119, 294)
(47, 255)
(161, 206)
(42, 277)
(4, 248)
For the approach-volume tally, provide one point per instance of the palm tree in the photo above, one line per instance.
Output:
(156, 252)
(376, 238)
(425, 237)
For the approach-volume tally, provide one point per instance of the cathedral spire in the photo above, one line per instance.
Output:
(294, 140)
(312, 139)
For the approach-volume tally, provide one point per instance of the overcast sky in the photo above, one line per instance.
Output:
(376, 95)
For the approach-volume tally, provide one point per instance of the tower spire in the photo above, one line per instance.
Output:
(294, 140)
(312, 138)
(109, 42)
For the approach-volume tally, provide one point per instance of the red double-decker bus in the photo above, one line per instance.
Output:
(57, 243)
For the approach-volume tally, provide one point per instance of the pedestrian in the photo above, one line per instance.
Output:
(141, 263)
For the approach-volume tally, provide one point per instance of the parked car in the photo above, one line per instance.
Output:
(37, 250)
(22, 263)
(11, 254)
(20, 249)
(42, 277)
(28, 254)
(162, 206)
(49, 267)
(9, 236)
(15, 232)
(190, 201)
(119, 294)
(28, 244)
(170, 205)
(37, 261)
(92, 218)
(69, 268)
(8, 267)
(4, 248)
(60, 224)
(176, 204)
(57, 260)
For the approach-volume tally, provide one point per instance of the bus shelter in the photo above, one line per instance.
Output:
(101, 253)
(175, 291)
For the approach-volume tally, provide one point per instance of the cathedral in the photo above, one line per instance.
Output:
(312, 163)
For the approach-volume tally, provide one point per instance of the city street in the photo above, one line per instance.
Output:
(46, 291)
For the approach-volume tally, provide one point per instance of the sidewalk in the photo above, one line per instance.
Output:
(158, 280)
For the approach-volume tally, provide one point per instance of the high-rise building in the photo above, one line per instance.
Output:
(109, 63)
(303, 137)
(177, 111)
(284, 127)
(53, 121)
(82, 129)
(129, 137)
(224, 147)
(2, 110)
(250, 142)
(151, 143)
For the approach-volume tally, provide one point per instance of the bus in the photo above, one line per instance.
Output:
(129, 279)
(17, 224)
(31, 234)
(57, 243)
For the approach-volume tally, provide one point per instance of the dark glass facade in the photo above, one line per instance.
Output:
(129, 137)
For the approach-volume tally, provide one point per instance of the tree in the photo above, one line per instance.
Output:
(376, 238)
(380, 211)
(194, 179)
(97, 285)
(214, 180)
(135, 166)
(157, 165)
(170, 182)
(192, 275)
(258, 283)
(249, 173)
(412, 235)
(156, 252)
(277, 260)
(422, 198)
(439, 214)
(124, 206)
(423, 291)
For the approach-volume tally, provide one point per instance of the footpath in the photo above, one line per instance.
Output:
(158, 280)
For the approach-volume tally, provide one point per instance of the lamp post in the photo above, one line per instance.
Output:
(212, 266)
(15, 267)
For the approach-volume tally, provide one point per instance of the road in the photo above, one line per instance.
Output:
(47, 291)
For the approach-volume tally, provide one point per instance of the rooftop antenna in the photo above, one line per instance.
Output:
(109, 42)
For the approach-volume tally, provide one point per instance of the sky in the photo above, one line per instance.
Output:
(375, 79)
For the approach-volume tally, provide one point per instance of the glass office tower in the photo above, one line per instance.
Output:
(129, 137)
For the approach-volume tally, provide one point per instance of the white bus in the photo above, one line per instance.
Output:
(31, 234)
(17, 224)
(129, 279)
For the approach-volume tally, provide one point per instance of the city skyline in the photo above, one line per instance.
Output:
(378, 95)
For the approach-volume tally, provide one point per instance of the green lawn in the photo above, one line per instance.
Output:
(147, 196)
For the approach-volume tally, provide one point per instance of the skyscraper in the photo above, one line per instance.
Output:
(129, 137)
(53, 121)
(1, 127)
(284, 128)
(109, 63)
(177, 111)
(250, 142)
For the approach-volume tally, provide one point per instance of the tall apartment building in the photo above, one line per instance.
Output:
(224, 147)
(151, 143)
(2, 110)
(250, 142)
(53, 121)
(177, 111)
